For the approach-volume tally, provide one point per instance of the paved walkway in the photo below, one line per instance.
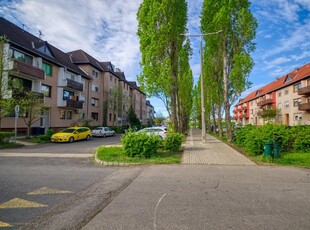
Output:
(213, 152)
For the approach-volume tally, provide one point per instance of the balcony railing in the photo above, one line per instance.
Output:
(74, 85)
(304, 107)
(75, 104)
(28, 70)
(265, 102)
(304, 90)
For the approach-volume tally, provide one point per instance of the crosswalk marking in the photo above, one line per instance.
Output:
(45, 190)
(4, 225)
(21, 203)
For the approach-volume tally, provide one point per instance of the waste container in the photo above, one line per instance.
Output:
(276, 150)
(268, 149)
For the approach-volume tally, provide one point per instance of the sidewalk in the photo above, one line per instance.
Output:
(213, 152)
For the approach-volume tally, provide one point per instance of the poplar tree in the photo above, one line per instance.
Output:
(160, 25)
(233, 47)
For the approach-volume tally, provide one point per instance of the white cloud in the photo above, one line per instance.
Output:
(105, 29)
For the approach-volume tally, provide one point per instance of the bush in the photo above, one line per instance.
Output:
(301, 138)
(47, 136)
(5, 136)
(140, 144)
(173, 142)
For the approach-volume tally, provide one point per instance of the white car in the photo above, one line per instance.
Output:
(158, 131)
(102, 132)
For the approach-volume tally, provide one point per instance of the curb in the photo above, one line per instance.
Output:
(105, 163)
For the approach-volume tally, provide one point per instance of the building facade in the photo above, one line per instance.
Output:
(284, 101)
(74, 85)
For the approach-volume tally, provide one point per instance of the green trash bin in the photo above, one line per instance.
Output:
(268, 149)
(276, 150)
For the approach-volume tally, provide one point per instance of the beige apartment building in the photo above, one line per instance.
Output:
(286, 100)
(74, 85)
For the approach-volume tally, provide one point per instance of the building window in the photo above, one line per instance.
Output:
(94, 102)
(114, 117)
(47, 69)
(297, 116)
(65, 114)
(279, 94)
(67, 95)
(252, 103)
(280, 105)
(111, 77)
(286, 91)
(287, 104)
(46, 90)
(110, 104)
(251, 111)
(82, 115)
(94, 116)
(95, 73)
(110, 117)
(297, 87)
(95, 88)
(22, 57)
(297, 102)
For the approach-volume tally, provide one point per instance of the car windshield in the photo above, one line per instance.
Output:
(68, 131)
(99, 128)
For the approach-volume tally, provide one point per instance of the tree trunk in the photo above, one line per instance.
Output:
(226, 96)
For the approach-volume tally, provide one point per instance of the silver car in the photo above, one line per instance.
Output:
(158, 131)
(103, 132)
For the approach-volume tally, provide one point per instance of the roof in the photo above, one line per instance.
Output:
(81, 57)
(25, 41)
(288, 79)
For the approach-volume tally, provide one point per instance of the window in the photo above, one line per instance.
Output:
(94, 116)
(22, 57)
(94, 102)
(110, 117)
(252, 103)
(95, 73)
(287, 104)
(297, 102)
(16, 83)
(279, 94)
(84, 83)
(65, 114)
(280, 105)
(297, 116)
(110, 104)
(111, 77)
(114, 117)
(47, 69)
(251, 111)
(297, 87)
(286, 91)
(46, 90)
(67, 95)
(82, 115)
(95, 88)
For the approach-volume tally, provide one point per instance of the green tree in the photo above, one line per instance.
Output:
(233, 47)
(160, 24)
(132, 118)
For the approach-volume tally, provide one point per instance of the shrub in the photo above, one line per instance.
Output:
(140, 144)
(5, 136)
(173, 142)
(301, 138)
(47, 136)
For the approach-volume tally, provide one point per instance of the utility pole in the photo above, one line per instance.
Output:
(203, 121)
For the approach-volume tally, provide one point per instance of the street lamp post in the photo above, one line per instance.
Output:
(203, 122)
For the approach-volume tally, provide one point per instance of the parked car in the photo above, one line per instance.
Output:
(103, 132)
(72, 134)
(158, 131)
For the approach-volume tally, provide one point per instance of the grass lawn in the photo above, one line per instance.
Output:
(288, 159)
(9, 145)
(116, 154)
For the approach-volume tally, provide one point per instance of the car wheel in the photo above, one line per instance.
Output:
(88, 137)
(103, 135)
(71, 139)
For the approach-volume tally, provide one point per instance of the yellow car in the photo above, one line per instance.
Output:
(72, 134)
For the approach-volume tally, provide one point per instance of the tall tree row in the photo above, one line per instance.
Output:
(164, 57)
(227, 57)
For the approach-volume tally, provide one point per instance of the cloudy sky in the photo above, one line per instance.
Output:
(106, 29)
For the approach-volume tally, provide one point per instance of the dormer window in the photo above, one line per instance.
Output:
(257, 93)
(287, 79)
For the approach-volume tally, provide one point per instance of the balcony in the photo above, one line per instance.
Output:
(75, 104)
(304, 90)
(26, 70)
(265, 102)
(27, 94)
(304, 107)
(244, 108)
(74, 85)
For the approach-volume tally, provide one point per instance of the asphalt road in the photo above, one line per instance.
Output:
(32, 185)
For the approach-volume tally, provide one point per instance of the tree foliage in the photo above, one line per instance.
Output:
(160, 24)
(231, 50)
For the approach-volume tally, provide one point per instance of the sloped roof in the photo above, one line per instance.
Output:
(81, 57)
(23, 40)
(288, 79)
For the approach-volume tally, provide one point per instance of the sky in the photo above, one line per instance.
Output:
(107, 30)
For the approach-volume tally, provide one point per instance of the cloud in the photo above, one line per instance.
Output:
(105, 29)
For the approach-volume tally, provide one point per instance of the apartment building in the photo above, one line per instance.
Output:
(149, 111)
(284, 101)
(138, 102)
(74, 85)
